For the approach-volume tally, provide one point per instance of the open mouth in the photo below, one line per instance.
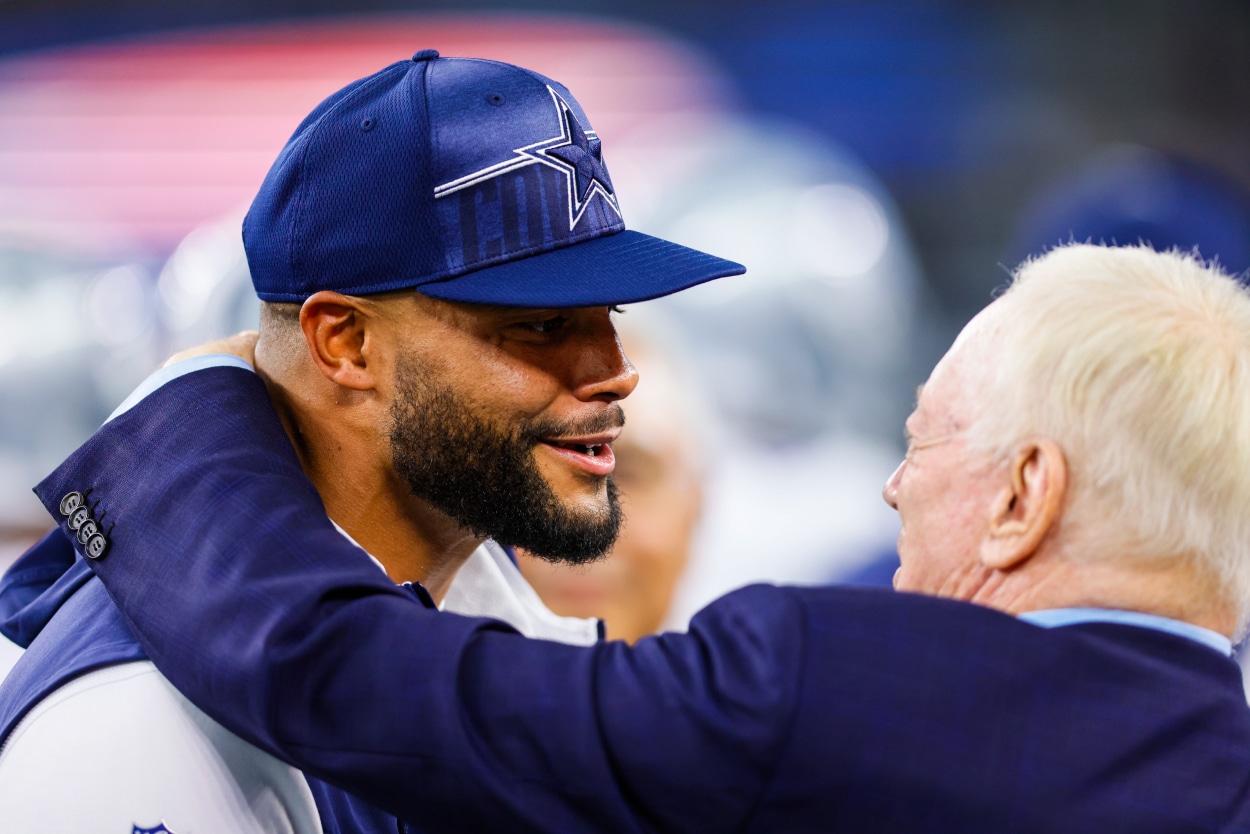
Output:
(592, 455)
(593, 451)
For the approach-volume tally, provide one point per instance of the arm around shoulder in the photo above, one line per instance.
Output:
(244, 595)
(699, 721)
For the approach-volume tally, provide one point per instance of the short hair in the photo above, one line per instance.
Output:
(280, 331)
(279, 314)
(1137, 363)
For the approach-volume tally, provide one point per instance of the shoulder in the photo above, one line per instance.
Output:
(756, 617)
(120, 747)
(731, 679)
(848, 611)
(839, 621)
(818, 638)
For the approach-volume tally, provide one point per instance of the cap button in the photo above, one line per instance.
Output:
(425, 55)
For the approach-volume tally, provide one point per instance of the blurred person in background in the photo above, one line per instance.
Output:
(1074, 547)
(1128, 194)
(659, 470)
(808, 361)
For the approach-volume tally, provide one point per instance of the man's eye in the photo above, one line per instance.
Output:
(546, 326)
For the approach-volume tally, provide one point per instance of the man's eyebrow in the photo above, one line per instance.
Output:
(503, 310)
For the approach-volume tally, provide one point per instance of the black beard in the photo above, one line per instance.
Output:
(485, 477)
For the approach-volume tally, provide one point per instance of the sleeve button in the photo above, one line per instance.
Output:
(86, 531)
(96, 545)
(78, 518)
(71, 502)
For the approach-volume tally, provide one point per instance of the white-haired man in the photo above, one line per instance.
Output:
(1084, 443)
(1076, 466)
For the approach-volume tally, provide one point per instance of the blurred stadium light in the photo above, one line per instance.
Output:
(76, 333)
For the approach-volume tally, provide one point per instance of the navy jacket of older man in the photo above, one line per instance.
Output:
(782, 709)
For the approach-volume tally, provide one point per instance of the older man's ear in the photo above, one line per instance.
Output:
(1028, 507)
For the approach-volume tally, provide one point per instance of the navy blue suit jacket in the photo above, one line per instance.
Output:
(783, 709)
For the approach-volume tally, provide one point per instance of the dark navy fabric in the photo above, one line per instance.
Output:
(349, 202)
(614, 269)
(25, 603)
(822, 709)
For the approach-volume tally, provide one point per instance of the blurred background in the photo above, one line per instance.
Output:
(879, 167)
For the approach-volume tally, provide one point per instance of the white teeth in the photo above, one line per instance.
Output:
(593, 451)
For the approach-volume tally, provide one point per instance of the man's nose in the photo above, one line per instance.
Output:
(890, 491)
(605, 372)
(615, 380)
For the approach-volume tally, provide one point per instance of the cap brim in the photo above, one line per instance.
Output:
(622, 268)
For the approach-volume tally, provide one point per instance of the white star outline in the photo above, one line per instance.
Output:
(537, 154)
(161, 826)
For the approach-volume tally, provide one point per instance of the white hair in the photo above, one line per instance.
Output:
(1137, 363)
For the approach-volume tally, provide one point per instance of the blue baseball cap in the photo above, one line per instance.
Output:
(465, 179)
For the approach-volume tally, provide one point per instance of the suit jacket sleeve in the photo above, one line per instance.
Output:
(224, 564)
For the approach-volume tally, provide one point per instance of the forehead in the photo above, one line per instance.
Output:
(464, 312)
(954, 378)
(476, 308)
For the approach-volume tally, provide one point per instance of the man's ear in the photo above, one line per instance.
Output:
(1028, 507)
(339, 330)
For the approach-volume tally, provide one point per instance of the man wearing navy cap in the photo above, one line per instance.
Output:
(439, 249)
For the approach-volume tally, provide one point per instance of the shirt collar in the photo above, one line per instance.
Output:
(171, 372)
(1059, 617)
(489, 584)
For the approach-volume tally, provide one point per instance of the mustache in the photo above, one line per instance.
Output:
(613, 417)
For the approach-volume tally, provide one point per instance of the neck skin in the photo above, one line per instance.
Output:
(1174, 588)
(346, 455)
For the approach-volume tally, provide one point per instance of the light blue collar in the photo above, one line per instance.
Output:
(1058, 617)
(171, 372)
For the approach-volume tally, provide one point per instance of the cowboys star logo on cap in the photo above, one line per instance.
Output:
(576, 152)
